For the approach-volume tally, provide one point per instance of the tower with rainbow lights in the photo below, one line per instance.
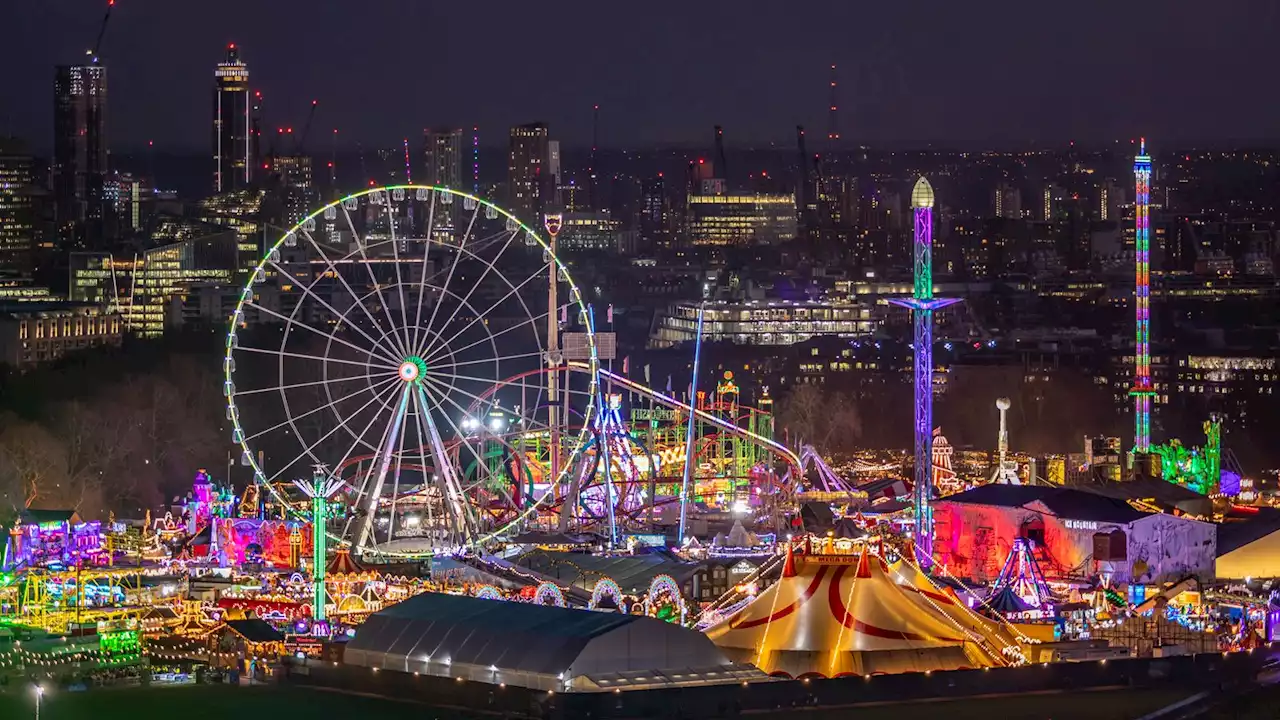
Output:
(922, 304)
(1142, 388)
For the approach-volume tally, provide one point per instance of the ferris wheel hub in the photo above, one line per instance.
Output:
(412, 369)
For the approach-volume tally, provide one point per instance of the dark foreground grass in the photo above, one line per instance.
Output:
(220, 702)
(212, 702)
(1097, 705)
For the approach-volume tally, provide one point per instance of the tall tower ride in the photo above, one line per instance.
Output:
(922, 304)
(232, 124)
(1142, 387)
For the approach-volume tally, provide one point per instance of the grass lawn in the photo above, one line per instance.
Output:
(210, 702)
(1101, 705)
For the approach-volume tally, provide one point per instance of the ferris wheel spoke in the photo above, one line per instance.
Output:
(426, 254)
(307, 290)
(333, 268)
(478, 318)
(488, 268)
(377, 286)
(395, 254)
(389, 395)
(462, 243)
(516, 356)
(449, 484)
(531, 320)
(317, 358)
(326, 406)
(462, 439)
(313, 383)
(365, 489)
(308, 450)
(295, 323)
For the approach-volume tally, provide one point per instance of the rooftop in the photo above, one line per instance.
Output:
(1061, 502)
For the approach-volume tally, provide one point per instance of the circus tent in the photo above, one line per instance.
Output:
(845, 612)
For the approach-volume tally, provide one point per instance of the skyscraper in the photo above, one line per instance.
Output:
(444, 157)
(232, 124)
(17, 212)
(526, 163)
(80, 150)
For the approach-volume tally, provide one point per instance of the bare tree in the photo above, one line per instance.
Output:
(829, 422)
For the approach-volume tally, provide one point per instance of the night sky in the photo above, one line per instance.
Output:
(665, 71)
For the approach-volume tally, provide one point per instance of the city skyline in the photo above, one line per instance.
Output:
(906, 74)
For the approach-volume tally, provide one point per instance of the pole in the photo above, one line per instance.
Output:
(688, 445)
(922, 304)
(553, 357)
(1142, 388)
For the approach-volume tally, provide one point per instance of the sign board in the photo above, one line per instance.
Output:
(576, 348)
(659, 414)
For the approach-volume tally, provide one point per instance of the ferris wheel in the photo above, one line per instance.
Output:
(371, 335)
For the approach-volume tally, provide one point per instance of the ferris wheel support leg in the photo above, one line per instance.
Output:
(452, 491)
(384, 464)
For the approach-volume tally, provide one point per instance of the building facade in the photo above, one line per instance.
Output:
(35, 333)
(80, 148)
(526, 171)
(742, 219)
(17, 211)
(232, 124)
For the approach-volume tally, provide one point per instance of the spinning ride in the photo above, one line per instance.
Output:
(369, 329)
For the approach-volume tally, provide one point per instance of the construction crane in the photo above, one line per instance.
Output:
(804, 190)
(102, 30)
(722, 165)
(306, 128)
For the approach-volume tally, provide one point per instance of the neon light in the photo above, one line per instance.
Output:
(1142, 388)
(489, 592)
(351, 201)
(922, 303)
(664, 584)
(319, 489)
(605, 587)
(706, 417)
(688, 443)
(549, 594)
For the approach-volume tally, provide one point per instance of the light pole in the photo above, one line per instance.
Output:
(39, 694)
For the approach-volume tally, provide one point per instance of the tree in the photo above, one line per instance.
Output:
(829, 422)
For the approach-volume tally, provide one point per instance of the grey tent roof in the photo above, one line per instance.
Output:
(513, 635)
(633, 573)
(1235, 534)
(1063, 502)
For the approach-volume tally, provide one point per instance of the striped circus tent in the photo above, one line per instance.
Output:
(844, 612)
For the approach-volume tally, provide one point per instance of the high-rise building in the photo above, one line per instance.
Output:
(297, 189)
(1007, 201)
(742, 220)
(17, 211)
(133, 200)
(654, 218)
(444, 157)
(232, 124)
(1112, 197)
(80, 150)
(526, 171)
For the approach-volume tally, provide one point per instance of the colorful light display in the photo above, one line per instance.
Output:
(606, 588)
(922, 305)
(549, 593)
(319, 489)
(1142, 388)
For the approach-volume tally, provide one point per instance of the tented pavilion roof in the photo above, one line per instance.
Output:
(845, 612)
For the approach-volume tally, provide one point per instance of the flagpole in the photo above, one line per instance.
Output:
(688, 446)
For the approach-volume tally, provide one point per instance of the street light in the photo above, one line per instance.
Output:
(39, 694)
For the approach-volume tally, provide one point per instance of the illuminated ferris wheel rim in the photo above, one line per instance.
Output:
(406, 366)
